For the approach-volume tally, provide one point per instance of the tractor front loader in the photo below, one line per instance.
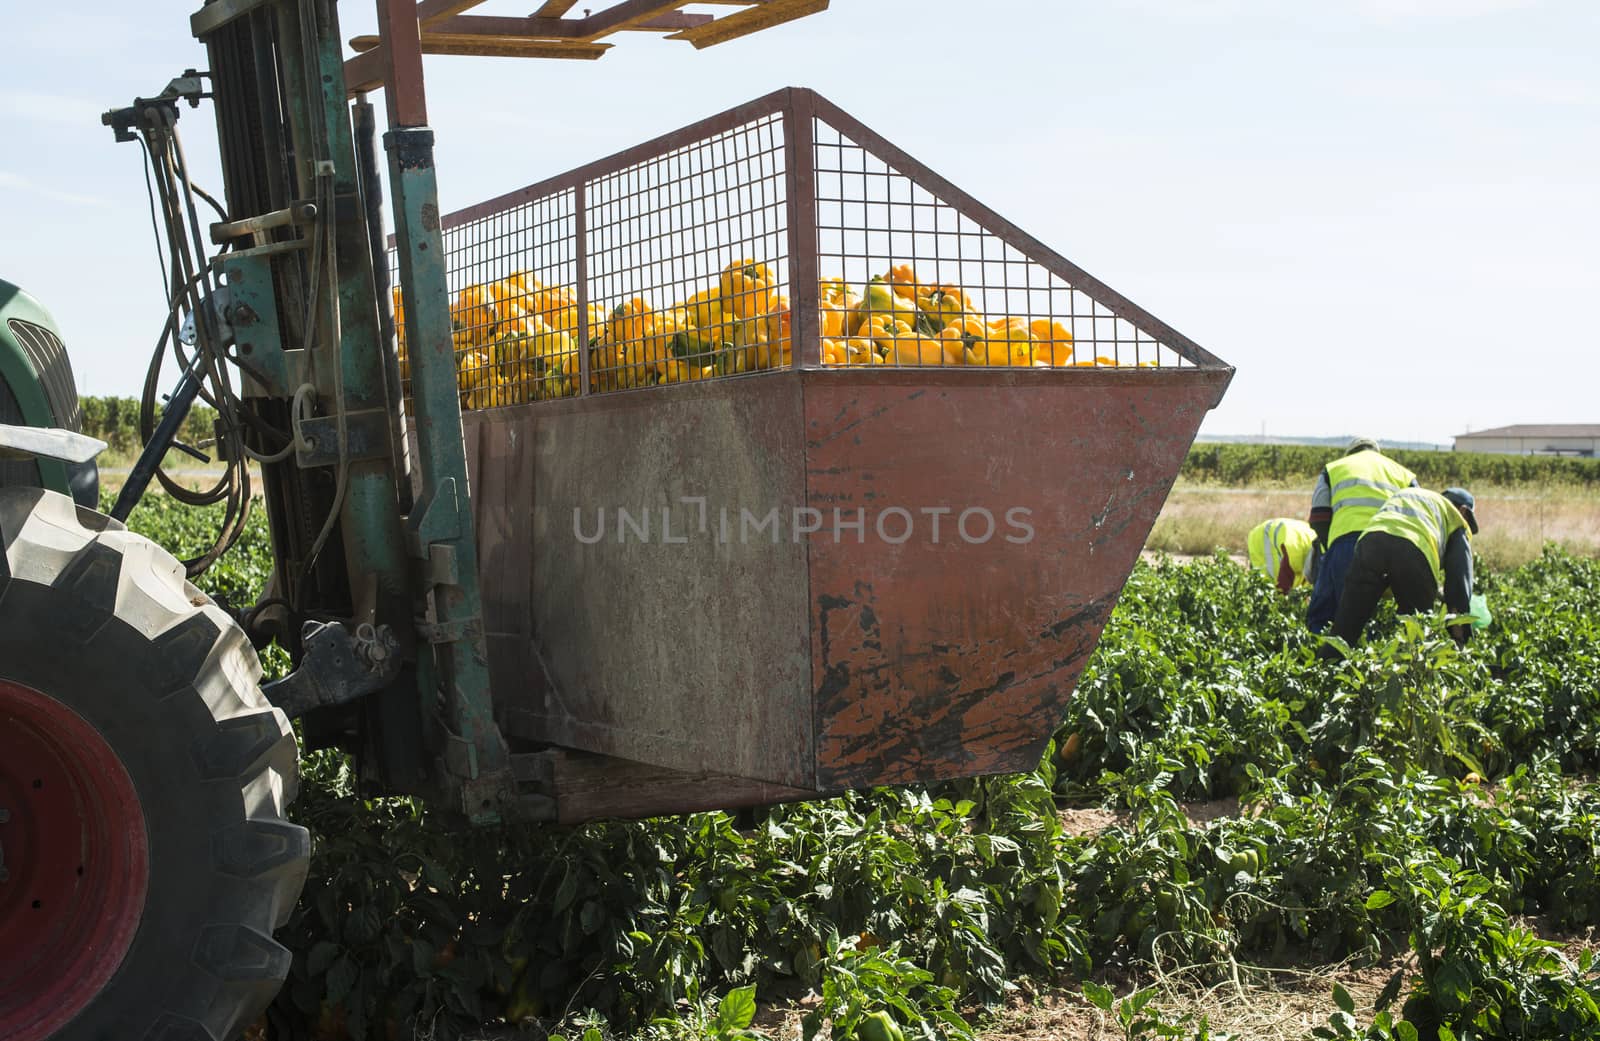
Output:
(437, 422)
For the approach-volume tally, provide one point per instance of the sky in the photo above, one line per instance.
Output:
(1384, 213)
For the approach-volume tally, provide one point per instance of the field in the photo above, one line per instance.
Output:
(1223, 828)
(1517, 520)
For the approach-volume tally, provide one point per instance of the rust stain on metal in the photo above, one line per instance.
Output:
(949, 655)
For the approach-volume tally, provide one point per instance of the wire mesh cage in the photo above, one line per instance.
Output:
(783, 233)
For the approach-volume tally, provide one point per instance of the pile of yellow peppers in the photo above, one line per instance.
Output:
(900, 320)
(517, 339)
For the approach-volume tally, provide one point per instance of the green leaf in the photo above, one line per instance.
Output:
(1380, 898)
(737, 1009)
(1451, 985)
(1099, 996)
(1342, 998)
(422, 957)
(341, 979)
(567, 892)
(321, 956)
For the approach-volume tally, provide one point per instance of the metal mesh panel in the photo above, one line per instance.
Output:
(682, 259)
(919, 282)
(688, 253)
(513, 277)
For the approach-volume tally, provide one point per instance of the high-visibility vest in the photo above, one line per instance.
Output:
(1270, 540)
(1423, 518)
(1361, 484)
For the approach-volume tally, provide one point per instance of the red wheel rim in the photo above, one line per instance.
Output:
(76, 860)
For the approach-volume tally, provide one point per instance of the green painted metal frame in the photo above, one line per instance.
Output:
(442, 526)
(18, 373)
(417, 573)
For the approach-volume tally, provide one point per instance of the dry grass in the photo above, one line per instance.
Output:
(1516, 521)
(1266, 1004)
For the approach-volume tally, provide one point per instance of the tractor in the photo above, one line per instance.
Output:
(432, 471)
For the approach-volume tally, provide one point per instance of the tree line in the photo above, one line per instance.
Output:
(1242, 464)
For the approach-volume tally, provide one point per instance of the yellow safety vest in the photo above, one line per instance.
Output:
(1423, 518)
(1270, 540)
(1361, 484)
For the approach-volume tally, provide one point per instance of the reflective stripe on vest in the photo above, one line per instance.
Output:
(1261, 543)
(1271, 540)
(1423, 518)
(1360, 485)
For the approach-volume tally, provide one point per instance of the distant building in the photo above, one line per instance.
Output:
(1534, 439)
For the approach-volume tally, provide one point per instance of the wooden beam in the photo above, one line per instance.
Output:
(430, 12)
(536, 28)
(489, 43)
(676, 21)
(402, 56)
(752, 20)
(588, 787)
(511, 47)
(621, 16)
(554, 8)
(365, 72)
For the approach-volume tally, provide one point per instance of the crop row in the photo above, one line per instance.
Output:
(1411, 798)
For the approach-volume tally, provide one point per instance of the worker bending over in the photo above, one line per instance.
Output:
(1419, 540)
(1350, 490)
(1281, 549)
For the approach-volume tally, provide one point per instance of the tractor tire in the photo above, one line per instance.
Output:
(146, 858)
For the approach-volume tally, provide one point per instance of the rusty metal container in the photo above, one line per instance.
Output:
(805, 577)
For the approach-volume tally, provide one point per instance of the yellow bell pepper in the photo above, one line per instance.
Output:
(1052, 341)
(474, 371)
(491, 393)
(832, 320)
(472, 313)
(903, 280)
(741, 358)
(747, 288)
(631, 321)
(836, 292)
(880, 301)
(974, 338)
(862, 352)
(884, 329)
(943, 305)
(658, 343)
(706, 307)
(779, 322)
(635, 336)
(1013, 336)
(853, 351)
(756, 343)
(676, 371)
(508, 293)
(914, 348)
(557, 307)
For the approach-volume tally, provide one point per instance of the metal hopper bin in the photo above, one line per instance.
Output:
(741, 567)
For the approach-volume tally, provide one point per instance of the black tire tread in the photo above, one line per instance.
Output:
(259, 856)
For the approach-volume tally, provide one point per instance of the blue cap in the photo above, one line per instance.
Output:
(1464, 502)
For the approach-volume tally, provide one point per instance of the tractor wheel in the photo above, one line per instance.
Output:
(143, 778)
